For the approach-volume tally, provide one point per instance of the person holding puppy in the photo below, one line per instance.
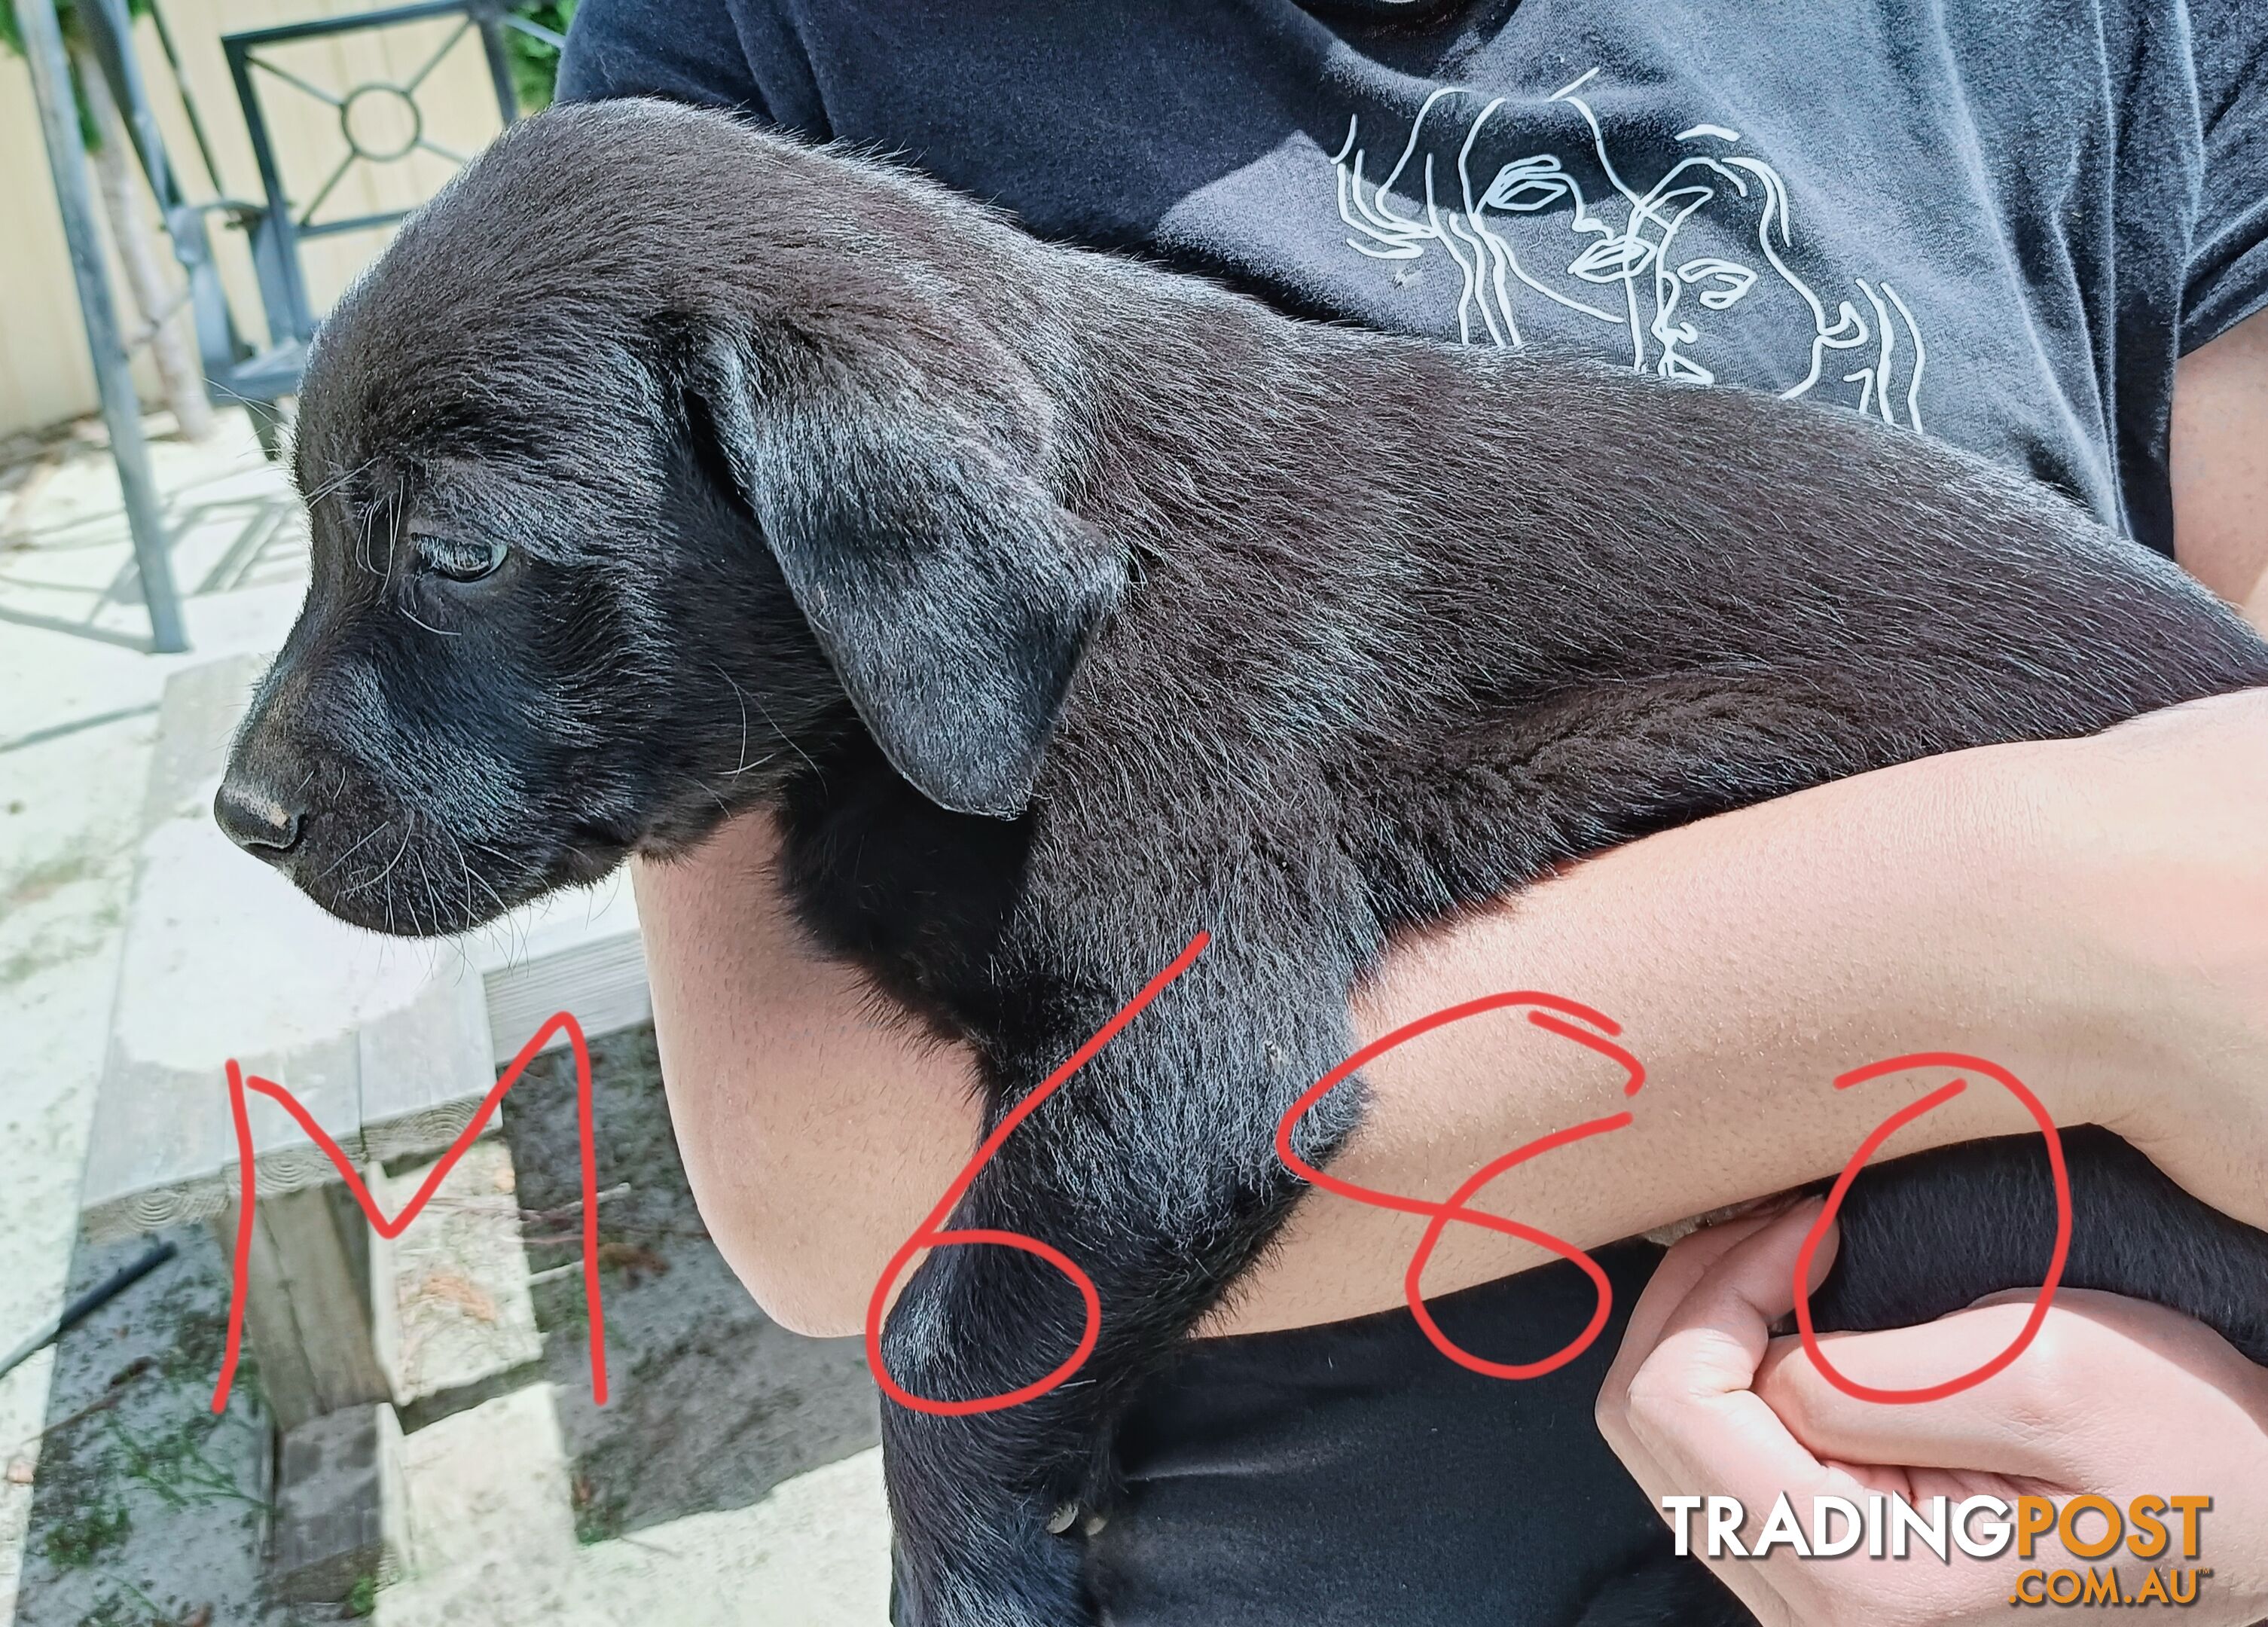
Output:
(2038, 235)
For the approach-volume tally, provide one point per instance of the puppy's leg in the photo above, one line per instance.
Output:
(1924, 1235)
(1155, 1168)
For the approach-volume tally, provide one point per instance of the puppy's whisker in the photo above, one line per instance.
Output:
(428, 626)
(473, 878)
(332, 868)
(425, 893)
(410, 829)
(784, 735)
(740, 757)
(392, 533)
(338, 479)
(362, 542)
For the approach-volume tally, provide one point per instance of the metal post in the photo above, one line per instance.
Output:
(188, 100)
(43, 50)
(490, 16)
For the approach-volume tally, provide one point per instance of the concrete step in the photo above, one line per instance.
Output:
(390, 1045)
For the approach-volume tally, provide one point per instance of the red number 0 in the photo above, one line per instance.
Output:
(1868, 1148)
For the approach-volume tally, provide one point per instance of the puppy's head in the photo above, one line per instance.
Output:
(651, 454)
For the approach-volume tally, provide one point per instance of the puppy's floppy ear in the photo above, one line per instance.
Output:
(952, 592)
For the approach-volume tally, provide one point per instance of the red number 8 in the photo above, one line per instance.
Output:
(1548, 1017)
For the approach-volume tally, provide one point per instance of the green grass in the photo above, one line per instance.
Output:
(535, 65)
(89, 1528)
(170, 1461)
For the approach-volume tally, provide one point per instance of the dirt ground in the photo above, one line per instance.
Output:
(146, 1508)
(148, 1511)
(713, 1404)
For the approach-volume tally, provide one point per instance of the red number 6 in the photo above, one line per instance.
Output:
(928, 1235)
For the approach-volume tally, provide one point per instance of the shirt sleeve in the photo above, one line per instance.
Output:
(2227, 279)
(742, 55)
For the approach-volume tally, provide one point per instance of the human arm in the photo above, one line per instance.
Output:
(2218, 463)
(2093, 914)
(2114, 1398)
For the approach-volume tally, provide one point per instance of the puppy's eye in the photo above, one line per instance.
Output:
(459, 559)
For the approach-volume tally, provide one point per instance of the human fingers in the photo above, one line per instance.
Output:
(2044, 1416)
(1681, 1268)
(1674, 1406)
(1684, 1265)
(1688, 1404)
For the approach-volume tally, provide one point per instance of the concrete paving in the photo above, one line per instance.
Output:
(807, 1556)
(803, 1556)
(487, 1499)
(78, 701)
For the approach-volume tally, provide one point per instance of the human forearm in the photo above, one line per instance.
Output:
(817, 1129)
(2093, 915)
(1750, 959)
(2217, 465)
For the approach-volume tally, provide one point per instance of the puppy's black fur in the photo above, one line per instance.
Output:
(663, 469)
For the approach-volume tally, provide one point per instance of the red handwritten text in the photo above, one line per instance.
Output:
(237, 1085)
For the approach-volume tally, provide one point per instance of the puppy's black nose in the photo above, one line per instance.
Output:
(256, 820)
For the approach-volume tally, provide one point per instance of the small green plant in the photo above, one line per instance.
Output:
(200, 1340)
(144, 1611)
(113, 1610)
(170, 1461)
(86, 1532)
(598, 1512)
(535, 64)
(362, 1598)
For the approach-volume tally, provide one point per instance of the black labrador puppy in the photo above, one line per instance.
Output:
(663, 469)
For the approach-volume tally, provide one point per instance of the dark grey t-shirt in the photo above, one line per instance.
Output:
(1996, 222)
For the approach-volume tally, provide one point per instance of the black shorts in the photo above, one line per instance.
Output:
(1351, 1475)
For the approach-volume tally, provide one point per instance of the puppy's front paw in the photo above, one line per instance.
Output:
(985, 1527)
(968, 1551)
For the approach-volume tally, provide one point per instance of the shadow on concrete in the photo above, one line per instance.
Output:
(713, 1404)
(147, 1509)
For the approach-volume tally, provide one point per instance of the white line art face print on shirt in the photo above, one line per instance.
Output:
(1625, 270)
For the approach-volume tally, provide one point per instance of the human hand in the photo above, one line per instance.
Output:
(2114, 1396)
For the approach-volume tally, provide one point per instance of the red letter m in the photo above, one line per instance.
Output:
(395, 1227)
